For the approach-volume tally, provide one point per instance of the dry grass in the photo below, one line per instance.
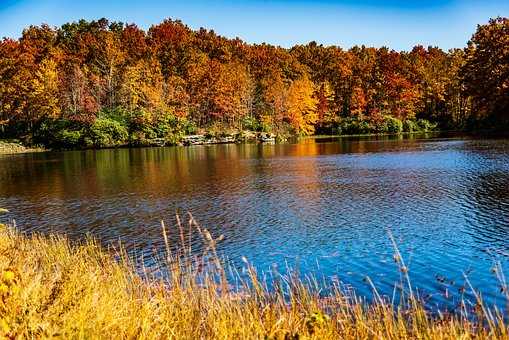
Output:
(52, 288)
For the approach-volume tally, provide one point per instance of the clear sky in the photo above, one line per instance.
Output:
(397, 24)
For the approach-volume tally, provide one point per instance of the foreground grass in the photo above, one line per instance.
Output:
(52, 288)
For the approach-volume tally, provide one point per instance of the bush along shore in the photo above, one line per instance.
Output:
(51, 288)
(120, 129)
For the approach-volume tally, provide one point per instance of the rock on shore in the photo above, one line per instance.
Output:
(11, 148)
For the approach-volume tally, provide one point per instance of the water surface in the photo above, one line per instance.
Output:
(323, 205)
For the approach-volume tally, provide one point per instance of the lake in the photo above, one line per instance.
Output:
(323, 205)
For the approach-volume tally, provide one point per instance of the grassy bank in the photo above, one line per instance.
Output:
(52, 288)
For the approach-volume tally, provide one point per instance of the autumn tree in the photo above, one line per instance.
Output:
(273, 104)
(232, 92)
(302, 104)
(142, 87)
(108, 63)
(29, 86)
(362, 84)
(9, 59)
(172, 43)
(326, 116)
(77, 102)
(486, 71)
(43, 94)
(457, 108)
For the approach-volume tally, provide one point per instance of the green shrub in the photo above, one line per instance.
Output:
(425, 125)
(365, 127)
(347, 126)
(172, 128)
(410, 126)
(117, 114)
(354, 126)
(251, 123)
(393, 125)
(142, 137)
(70, 138)
(420, 125)
(106, 132)
(190, 127)
(265, 127)
(144, 127)
(59, 133)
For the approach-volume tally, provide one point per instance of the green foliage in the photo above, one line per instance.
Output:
(117, 114)
(251, 123)
(349, 126)
(189, 127)
(59, 133)
(265, 127)
(410, 126)
(70, 138)
(145, 130)
(170, 127)
(425, 125)
(142, 136)
(356, 126)
(419, 125)
(106, 132)
(393, 125)
(114, 128)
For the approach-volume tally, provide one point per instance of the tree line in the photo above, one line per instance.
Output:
(101, 83)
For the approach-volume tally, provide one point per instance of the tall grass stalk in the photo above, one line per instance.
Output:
(51, 287)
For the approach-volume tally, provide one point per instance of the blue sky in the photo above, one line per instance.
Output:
(394, 23)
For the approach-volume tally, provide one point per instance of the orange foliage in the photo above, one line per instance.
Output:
(77, 70)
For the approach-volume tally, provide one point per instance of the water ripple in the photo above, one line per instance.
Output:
(325, 206)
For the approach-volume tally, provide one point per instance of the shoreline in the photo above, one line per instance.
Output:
(8, 147)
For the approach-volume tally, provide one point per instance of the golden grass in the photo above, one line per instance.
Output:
(52, 288)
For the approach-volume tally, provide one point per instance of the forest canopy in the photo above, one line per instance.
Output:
(101, 83)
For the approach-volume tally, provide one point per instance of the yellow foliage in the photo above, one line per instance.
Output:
(8, 276)
(42, 95)
(302, 106)
(142, 86)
